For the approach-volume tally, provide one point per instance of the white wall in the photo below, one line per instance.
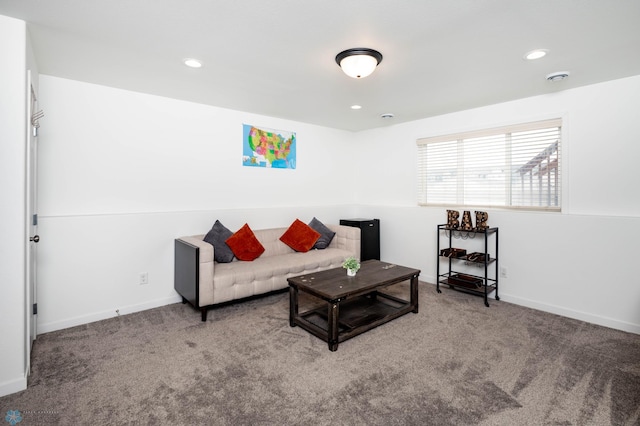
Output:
(577, 263)
(122, 174)
(13, 376)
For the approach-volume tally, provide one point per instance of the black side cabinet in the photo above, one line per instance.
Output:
(369, 236)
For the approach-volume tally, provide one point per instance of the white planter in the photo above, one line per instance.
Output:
(351, 272)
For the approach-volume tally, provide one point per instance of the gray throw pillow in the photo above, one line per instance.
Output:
(326, 234)
(217, 237)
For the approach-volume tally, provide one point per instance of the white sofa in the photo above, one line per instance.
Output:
(204, 283)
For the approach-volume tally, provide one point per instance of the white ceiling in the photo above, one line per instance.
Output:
(277, 57)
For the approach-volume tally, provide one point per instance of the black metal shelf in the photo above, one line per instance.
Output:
(480, 285)
(465, 259)
(476, 291)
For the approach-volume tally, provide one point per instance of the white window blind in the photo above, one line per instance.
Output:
(515, 167)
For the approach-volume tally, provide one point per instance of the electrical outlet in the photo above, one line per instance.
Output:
(144, 278)
(503, 271)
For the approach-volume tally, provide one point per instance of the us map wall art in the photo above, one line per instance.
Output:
(262, 147)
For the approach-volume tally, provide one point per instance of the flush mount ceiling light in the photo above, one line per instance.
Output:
(356, 107)
(558, 76)
(192, 63)
(536, 54)
(358, 62)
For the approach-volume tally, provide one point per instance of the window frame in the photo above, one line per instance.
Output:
(460, 138)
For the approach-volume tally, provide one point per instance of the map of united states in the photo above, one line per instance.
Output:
(269, 148)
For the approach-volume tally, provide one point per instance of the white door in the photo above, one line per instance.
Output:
(33, 115)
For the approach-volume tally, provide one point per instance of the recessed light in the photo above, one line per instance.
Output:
(192, 63)
(536, 54)
(387, 115)
(356, 107)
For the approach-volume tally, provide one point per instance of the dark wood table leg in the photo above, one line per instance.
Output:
(293, 305)
(414, 293)
(332, 329)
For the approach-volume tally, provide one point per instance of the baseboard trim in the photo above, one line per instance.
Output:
(553, 309)
(13, 386)
(98, 316)
(570, 313)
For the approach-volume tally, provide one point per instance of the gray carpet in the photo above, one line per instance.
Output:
(455, 363)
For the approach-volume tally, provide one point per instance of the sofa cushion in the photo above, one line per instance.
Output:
(273, 271)
(300, 236)
(326, 234)
(217, 237)
(270, 240)
(244, 244)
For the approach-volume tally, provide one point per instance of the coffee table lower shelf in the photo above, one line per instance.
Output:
(355, 316)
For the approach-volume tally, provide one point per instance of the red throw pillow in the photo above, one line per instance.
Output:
(244, 244)
(300, 236)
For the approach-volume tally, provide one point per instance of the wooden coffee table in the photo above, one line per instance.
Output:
(351, 305)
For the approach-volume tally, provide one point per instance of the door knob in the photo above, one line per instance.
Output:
(35, 238)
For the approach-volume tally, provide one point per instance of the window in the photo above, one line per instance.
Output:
(515, 167)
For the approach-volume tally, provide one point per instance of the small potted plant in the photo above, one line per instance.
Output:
(352, 265)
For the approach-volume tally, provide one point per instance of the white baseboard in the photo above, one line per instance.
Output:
(13, 386)
(98, 316)
(553, 309)
(570, 313)
(565, 312)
